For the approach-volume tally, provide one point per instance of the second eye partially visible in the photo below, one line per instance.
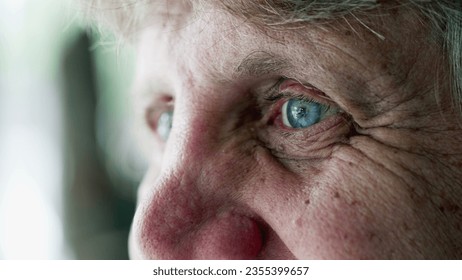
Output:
(159, 117)
(164, 124)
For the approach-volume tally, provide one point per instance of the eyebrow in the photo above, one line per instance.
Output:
(260, 63)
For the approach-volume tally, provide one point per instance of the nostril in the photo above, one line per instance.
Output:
(228, 236)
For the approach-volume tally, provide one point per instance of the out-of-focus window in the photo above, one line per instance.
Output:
(68, 167)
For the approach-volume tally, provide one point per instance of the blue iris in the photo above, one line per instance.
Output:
(302, 113)
(164, 124)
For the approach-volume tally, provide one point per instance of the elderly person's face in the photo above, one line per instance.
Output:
(323, 141)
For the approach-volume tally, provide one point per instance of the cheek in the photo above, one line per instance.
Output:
(357, 210)
(334, 230)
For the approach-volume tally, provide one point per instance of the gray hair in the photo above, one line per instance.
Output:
(445, 17)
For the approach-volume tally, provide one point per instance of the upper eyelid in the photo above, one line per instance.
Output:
(161, 102)
(275, 93)
(151, 97)
(156, 107)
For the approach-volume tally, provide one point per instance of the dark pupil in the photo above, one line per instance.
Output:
(301, 111)
(302, 114)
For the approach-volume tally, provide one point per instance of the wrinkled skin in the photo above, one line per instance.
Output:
(379, 179)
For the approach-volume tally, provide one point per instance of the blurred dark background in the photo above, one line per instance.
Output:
(69, 162)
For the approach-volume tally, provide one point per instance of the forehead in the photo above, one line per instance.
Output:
(221, 44)
(211, 49)
(214, 45)
(231, 48)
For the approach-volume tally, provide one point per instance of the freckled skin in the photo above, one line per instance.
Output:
(380, 180)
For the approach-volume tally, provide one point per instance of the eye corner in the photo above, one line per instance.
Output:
(159, 116)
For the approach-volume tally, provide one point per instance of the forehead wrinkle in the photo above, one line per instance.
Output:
(255, 64)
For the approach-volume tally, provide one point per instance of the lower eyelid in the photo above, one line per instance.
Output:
(324, 129)
(319, 127)
(306, 143)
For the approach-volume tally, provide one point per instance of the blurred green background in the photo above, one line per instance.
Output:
(69, 165)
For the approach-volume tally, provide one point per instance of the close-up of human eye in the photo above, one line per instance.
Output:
(301, 120)
(164, 124)
(302, 112)
(298, 107)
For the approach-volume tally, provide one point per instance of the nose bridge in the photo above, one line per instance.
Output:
(189, 210)
(203, 147)
(189, 143)
(196, 135)
(174, 202)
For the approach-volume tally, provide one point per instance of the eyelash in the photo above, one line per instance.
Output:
(289, 95)
(274, 93)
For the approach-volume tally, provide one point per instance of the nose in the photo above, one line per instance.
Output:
(192, 210)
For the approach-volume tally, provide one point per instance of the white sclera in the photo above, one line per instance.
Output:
(285, 120)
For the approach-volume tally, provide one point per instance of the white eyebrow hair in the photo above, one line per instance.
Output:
(260, 63)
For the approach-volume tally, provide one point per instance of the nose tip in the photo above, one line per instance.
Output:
(180, 222)
(230, 236)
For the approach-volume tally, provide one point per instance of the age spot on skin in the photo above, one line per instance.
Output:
(449, 208)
